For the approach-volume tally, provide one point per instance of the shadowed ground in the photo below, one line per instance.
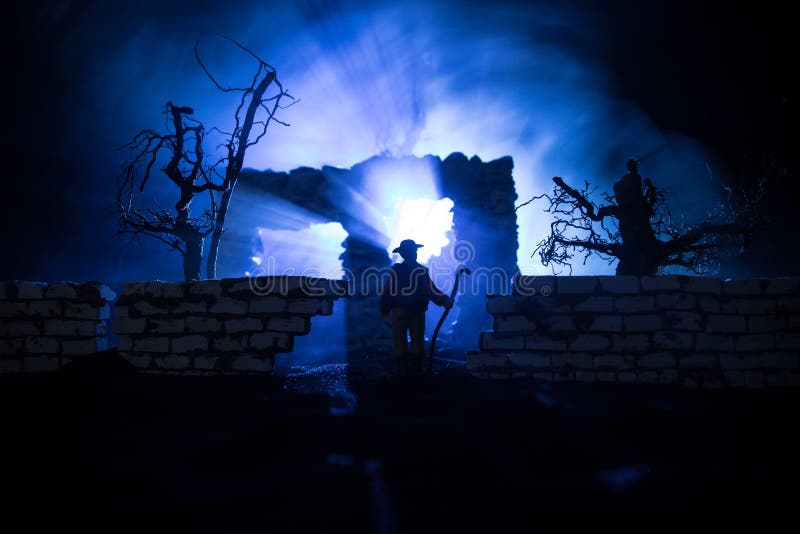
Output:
(104, 448)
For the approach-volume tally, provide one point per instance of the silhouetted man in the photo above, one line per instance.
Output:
(405, 296)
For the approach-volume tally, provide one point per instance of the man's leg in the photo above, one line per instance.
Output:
(400, 338)
(417, 328)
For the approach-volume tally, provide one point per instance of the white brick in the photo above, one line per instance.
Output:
(174, 362)
(184, 344)
(644, 303)
(39, 364)
(210, 288)
(755, 342)
(661, 283)
(672, 340)
(713, 342)
(630, 342)
(9, 347)
(296, 325)
(697, 361)
(528, 359)
(190, 307)
(683, 320)
(601, 304)
(127, 325)
(247, 324)
(151, 344)
(606, 323)
(699, 284)
(590, 342)
(226, 305)
(30, 290)
(41, 345)
(252, 364)
(622, 284)
(514, 323)
(165, 326)
(755, 306)
(779, 360)
(45, 308)
(271, 341)
(489, 341)
(613, 361)
(657, 360)
(571, 285)
(203, 324)
(643, 323)
(579, 360)
(742, 287)
(738, 361)
(726, 323)
(544, 343)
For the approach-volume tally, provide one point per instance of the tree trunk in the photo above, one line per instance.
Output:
(216, 236)
(193, 256)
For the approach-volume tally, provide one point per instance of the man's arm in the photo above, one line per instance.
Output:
(435, 295)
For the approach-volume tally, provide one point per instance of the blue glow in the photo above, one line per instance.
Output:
(424, 220)
(312, 251)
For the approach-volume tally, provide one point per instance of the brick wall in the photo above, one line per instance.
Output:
(233, 325)
(43, 327)
(693, 331)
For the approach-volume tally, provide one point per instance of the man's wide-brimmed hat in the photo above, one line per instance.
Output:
(406, 244)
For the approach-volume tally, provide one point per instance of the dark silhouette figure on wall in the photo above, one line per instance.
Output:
(404, 301)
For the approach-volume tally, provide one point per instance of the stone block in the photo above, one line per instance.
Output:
(20, 329)
(139, 361)
(700, 284)
(627, 378)
(247, 324)
(166, 326)
(679, 301)
(787, 341)
(606, 376)
(709, 304)
(173, 362)
(203, 324)
(647, 377)
(742, 287)
(597, 304)
(10, 347)
(30, 290)
(589, 342)
(734, 378)
(61, 290)
(578, 360)
(643, 323)
(755, 342)
(83, 346)
(47, 308)
(791, 304)
(10, 366)
(230, 343)
(306, 306)
(40, 364)
(184, 344)
(253, 364)
(501, 304)
(269, 305)
(760, 324)
(606, 323)
(613, 361)
(657, 360)
(13, 309)
(630, 342)
(779, 360)
(697, 361)
(151, 344)
(514, 323)
(205, 363)
(563, 375)
(41, 345)
(190, 307)
(89, 312)
(619, 285)
(271, 341)
(539, 305)
(482, 360)
(146, 309)
(585, 376)
(683, 321)
(726, 323)
(205, 288)
(576, 285)
(95, 292)
(539, 342)
(542, 375)
(489, 341)
(738, 361)
(124, 342)
(557, 323)
(228, 306)
(639, 304)
(528, 286)
(296, 325)
(71, 328)
(713, 343)
(661, 283)
(529, 360)
(783, 286)
(672, 340)
(756, 306)
(127, 325)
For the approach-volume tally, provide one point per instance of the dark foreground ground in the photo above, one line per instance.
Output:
(101, 448)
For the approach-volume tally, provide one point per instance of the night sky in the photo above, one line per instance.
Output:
(85, 76)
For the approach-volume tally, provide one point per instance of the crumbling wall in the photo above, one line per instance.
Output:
(43, 327)
(693, 331)
(233, 325)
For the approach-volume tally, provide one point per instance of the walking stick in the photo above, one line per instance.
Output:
(446, 311)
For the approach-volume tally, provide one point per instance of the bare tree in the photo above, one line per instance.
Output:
(182, 153)
(635, 227)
